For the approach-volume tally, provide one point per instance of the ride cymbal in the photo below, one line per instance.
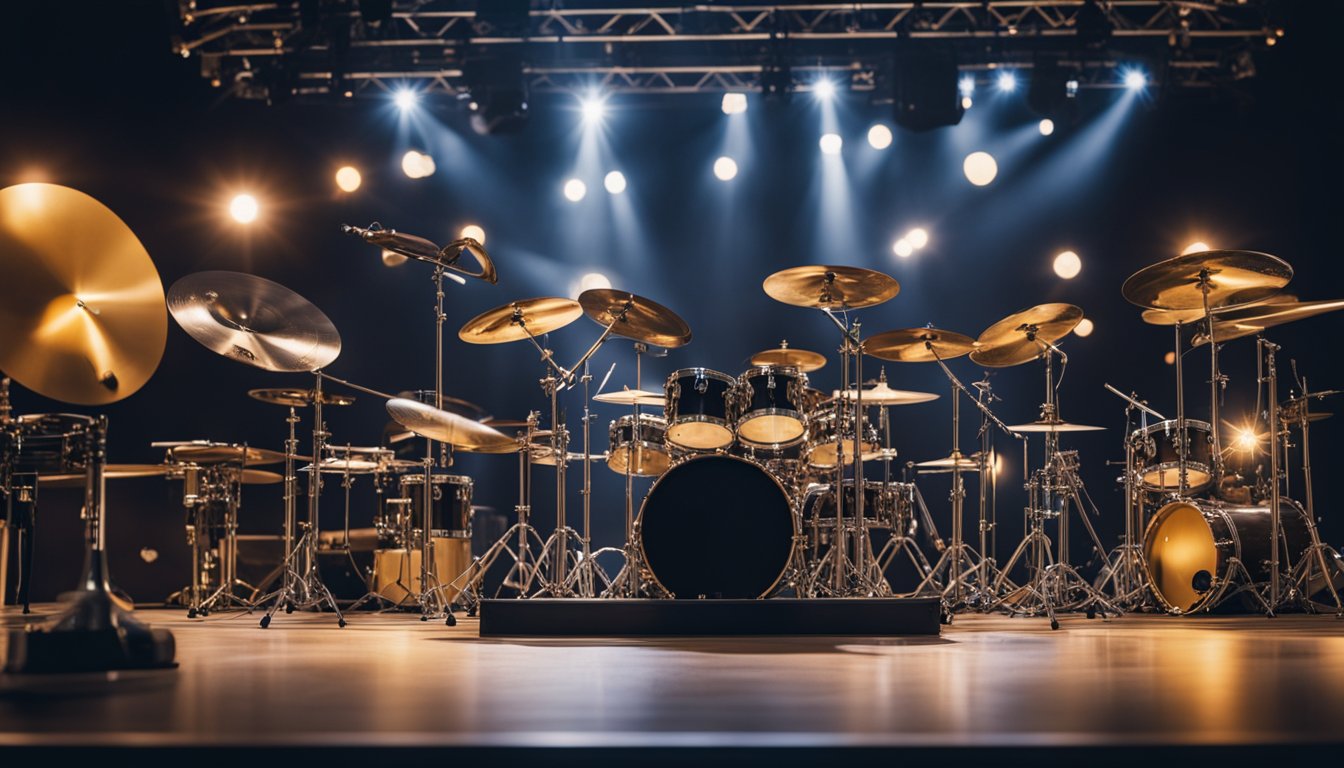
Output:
(81, 304)
(297, 398)
(881, 394)
(1019, 338)
(1248, 321)
(802, 359)
(831, 287)
(918, 345)
(1230, 277)
(458, 431)
(517, 320)
(639, 318)
(1188, 316)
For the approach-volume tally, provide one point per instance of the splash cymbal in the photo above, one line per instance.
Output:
(1017, 338)
(1053, 426)
(459, 431)
(1230, 277)
(918, 345)
(831, 287)
(254, 321)
(297, 398)
(641, 319)
(515, 320)
(81, 304)
(801, 359)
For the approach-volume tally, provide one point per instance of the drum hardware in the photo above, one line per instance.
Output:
(1318, 555)
(770, 407)
(588, 579)
(1127, 570)
(987, 487)
(700, 409)
(444, 258)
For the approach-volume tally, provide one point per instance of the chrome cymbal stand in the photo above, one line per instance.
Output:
(629, 580)
(1127, 571)
(204, 487)
(902, 541)
(588, 579)
(985, 598)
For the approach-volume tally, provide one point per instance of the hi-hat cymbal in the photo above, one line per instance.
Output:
(1188, 316)
(222, 453)
(881, 394)
(111, 472)
(918, 345)
(640, 319)
(254, 321)
(831, 287)
(1248, 321)
(801, 359)
(632, 397)
(1053, 426)
(1231, 278)
(297, 398)
(459, 431)
(81, 304)
(515, 320)
(1018, 337)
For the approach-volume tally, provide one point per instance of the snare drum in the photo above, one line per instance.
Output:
(698, 410)
(450, 505)
(47, 443)
(771, 400)
(821, 437)
(642, 442)
(884, 504)
(1159, 456)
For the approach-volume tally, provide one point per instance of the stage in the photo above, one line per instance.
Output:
(1105, 688)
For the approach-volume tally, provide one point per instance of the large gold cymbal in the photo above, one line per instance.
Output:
(1018, 338)
(81, 304)
(1247, 321)
(831, 287)
(1231, 278)
(802, 359)
(515, 320)
(459, 431)
(1188, 316)
(918, 345)
(640, 319)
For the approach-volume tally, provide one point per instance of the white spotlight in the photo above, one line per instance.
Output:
(725, 168)
(614, 182)
(734, 103)
(917, 237)
(575, 190)
(966, 85)
(348, 178)
(824, 89)
(831, 143)
(1007, 82)
(980, 168)
(902, 248)
(1047, 127)
(593, 281)
(1068, 265)
(417, 165)
(1083, 328)
(1135, 79)
(1196, 247)
(966, 102)
(244, 208)
(474, 232)
(405, 98)
(593, 109)
(879, 136)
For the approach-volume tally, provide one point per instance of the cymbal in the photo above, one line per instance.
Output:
(881, 394)
(963, 463)
(1233, 277)
(645, 320)
(1017, 338)
(297, 398)
(1250, 321)
(81, 304)
(342, 466)
(254, 321)
(515, 320)
(831, 287)
(1290, 410)
(223, 453)
(547, 458)
(260, 477)
(1188, 316)
(1053, 426)
(801, 359)
(632, 397)
(505, 423)
(459, 431)
(918, 345)
(111, 472)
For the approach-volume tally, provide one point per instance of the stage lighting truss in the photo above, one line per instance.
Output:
(275, 50)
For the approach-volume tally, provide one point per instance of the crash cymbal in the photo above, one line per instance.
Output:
(1244, 321)
(1017, 338)
(632, 397)
(515, 320)
(505, 423)
(918, 345)
(254, 321)
(948, 463)
(222, 453)
(1188, 316)
(459, 431)
(1233, 277)
(881, 394)
(111, 472)
(297, 398)
(260, 477)
(831, 287)
(801, 359)
(1053, 426)
(643, 320)
(454, 405)
(81, 304)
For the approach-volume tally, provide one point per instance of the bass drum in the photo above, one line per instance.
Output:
(718, 527)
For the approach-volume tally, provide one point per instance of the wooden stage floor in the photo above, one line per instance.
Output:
(393, 681)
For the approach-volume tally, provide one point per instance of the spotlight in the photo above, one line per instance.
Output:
(1245, 439)
(1135, 79)
(831, 143)
(980, 168)
(1196, 247)
(926, 89)
(417, 165)
(902, 248)
(614, 182)
(879, 136)
(824, 89)
(244, 208)
(725, 168)
(966, 85)
(1007, 82)
(392, 259)
(966, 102)
(348, 178)
(575, 190)
(1047, 126)
(593, 109)
(474, 232)
(405, 98)
(1068, 265)
(593, 281)
(734, 103)
(917, 238)
(1084, 328)
(1169, 358)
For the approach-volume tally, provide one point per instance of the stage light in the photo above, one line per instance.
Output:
(831, 143)
(405, 98)
(614, 182)
(593, 108)
(966, 102)
(474, 232)
(1047, 127)
(879, 136)
(348, 178)
(575, 190)
(917, 237)
(1245, 439)
(1007, 82)
(1169, 358)
(1068, 265)
(824, 89)
(1196, 247)
(980, 168)
(391, 259)
(244, 208)
(902, 248)
(966, 85)
(734, 103)
(417, 165)
(593, 281)
(1135, 79)
(1084, 328)
(725, 168)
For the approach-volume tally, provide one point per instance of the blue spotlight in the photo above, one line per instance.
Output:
(405, 99)
(1135, 79)
(1007, 82)
(594, 108)
(824, 89)
(966, 86)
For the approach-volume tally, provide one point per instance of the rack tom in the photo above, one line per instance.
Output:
(1158, 449)
(699, 409)
(772, 400)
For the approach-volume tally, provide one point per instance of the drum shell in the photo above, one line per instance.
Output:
(396, 572)
(46, 443)
(699, 409)
(645, 442)
(450, 505)
(821, 428)
(771, 406)
(883, 504)
(1159, 456)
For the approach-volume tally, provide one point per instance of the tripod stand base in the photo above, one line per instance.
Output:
(93, 634)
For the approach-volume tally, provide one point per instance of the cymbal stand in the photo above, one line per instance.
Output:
(988, 573)
(588, 575)
(901, 541)
(629, 581)
(1126, 572)
(1318, 558)
(20, 491)
(203, 487)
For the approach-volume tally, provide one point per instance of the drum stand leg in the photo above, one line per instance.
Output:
(1127, 568)
(584, 581)
(1319, 560)
(1035, 598)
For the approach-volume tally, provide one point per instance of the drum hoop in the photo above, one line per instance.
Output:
(766, 370)
(699, 373)
(419, 479)
(1169, 425)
